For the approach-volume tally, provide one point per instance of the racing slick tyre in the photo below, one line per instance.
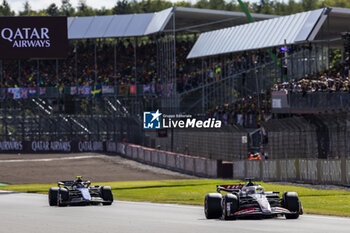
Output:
(53, 192)
(212, 205)
(63, 196)
(107, 195)
(291, 203)
(230, 204)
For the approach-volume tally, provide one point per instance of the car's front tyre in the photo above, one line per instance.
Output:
(53, 193)
(291, 202)
(230, 205)
(62, 197)
(107, 195)
(212, 205)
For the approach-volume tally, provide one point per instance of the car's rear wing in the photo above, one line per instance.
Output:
(70, 183)
(65, 183)
(229, 188)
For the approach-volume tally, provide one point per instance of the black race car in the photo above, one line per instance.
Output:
(79, 192)
(250, 200)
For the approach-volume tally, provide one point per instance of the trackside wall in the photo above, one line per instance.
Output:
(174, 161)
(318, 171)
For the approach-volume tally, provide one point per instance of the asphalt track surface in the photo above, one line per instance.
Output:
(30, 213)
(49, 168)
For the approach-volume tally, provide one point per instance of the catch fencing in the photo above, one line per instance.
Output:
(228, 143)
(323, 136)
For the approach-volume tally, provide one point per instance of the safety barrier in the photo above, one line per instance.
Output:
(330, 171)
(179, 162)
(324, 171)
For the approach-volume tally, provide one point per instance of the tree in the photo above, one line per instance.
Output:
(27, 11)
(66, 8)
(5, 9)
(309, 5)
(264, 7)
(84, 9)
(52, 10)
(335, 3)
(122, 7)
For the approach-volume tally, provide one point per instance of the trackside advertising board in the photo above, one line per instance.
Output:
(33, 37)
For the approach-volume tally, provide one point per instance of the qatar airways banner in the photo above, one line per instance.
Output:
(58, 146)
(33, 37)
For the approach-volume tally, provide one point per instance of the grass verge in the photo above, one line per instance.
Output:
(192, 192)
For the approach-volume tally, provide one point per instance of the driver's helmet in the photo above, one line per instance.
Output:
(79, 182)
(260, 190)
(250, 190)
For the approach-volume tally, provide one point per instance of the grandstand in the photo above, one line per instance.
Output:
(117, 67)
(203, 62)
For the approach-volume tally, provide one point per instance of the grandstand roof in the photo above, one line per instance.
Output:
(339, 19)
(311, 26)
(130, 25)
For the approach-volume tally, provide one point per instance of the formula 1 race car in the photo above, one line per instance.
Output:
(250, 200)
(79, 192)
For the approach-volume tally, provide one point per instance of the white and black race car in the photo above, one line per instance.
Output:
(250, 200)
(79, 192)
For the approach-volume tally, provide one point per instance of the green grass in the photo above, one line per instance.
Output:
(192, 192)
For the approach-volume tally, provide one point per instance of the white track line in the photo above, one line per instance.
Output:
(49, 159)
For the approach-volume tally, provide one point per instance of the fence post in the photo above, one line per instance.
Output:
(343, 170)
(278, 169)
(297, 169)
(319, 172)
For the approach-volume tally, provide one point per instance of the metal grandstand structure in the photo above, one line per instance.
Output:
(57, 115)
(309, 37)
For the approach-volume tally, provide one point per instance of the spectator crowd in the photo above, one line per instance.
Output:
(79, 70)
(248, 112)
(334, 79)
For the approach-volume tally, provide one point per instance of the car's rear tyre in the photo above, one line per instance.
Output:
(291, 202)
(53, 193)
(62, 197)
(230, 204)
(212, 205)
(107, 195)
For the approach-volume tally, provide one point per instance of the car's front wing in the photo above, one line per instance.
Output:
(258, 211)
(82, 201)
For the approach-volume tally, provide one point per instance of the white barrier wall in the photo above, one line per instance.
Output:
(269, 169)
(189, 164)
(331, 171)
(147, 154)
(253, 169)
(154, 157)
(141, 154)
(180, 162)
(287, 169)
(308, 170)
(212, 166)
(162, 158)
(335, 171)
(170, 158)
(200, 166)
(347, 172)
(135, 152)
(239, 169)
